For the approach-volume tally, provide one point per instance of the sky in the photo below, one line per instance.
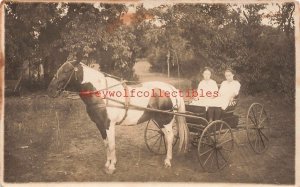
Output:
(271, 8)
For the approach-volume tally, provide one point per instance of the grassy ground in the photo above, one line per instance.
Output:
(38, 149)
(54, 140)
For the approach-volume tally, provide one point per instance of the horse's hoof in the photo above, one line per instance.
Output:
(167, 164)
(106, 165)
(109, 171)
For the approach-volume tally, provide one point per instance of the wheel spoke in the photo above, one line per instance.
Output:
(153, 130)
(206, 152)
(207, 144)
(156, 124)
(160, 140)
(252, 126)
(262, 121)
(226, 149)
(262, 141)
(254, 116)
(264, 135)
(156, 141)
(208, 135)
(258, 139)
(252, 120)
(222, 156)
(253, 131)
(207, 158)
(220, 129)
(153, 136)
(255, 135)
(217, 159)
(224, 135)
(212, 160)
(261, 112)
(225, 141)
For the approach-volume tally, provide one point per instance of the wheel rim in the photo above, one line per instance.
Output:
(258, 129)
(155, 138)
(215, 146)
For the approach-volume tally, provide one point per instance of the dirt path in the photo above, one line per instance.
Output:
(37, 149)
(142, 69)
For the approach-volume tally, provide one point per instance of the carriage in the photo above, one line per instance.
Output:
(215, 141)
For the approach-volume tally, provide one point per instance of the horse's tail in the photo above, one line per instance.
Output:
(182, 127)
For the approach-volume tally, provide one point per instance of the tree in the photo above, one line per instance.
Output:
(48, 33)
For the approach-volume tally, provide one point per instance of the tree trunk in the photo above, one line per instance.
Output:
(168, 62)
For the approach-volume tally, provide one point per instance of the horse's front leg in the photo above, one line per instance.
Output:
(110, 145)
(169, 136)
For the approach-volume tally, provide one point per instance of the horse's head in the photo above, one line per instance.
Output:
(62, 78)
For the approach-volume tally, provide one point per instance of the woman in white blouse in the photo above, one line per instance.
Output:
(208, 87)
(228, 90)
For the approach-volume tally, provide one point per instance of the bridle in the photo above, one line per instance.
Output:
(74, 71)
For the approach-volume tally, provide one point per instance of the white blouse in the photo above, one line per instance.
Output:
(227, 91)
(204, 87)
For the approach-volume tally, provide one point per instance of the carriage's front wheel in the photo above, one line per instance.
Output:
(155, 138)
(258, 128)
(215, 146)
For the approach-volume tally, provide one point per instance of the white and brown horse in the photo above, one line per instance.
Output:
(107, 109)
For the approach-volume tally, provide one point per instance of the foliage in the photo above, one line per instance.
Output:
(186, 37)
(228, 35)
(49, 33)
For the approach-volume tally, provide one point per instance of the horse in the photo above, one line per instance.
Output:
(108, 111)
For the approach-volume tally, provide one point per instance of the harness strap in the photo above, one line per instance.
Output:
(126, 103)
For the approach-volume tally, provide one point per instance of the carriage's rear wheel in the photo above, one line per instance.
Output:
(215, 146)
(155, 138)
(258, 128)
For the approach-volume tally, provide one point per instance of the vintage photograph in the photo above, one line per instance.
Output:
(149, 91)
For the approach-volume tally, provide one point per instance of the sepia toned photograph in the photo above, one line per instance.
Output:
(149, 91)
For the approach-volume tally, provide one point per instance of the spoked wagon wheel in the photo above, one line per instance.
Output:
(258, 128)
(215, 146)
(155, 138)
